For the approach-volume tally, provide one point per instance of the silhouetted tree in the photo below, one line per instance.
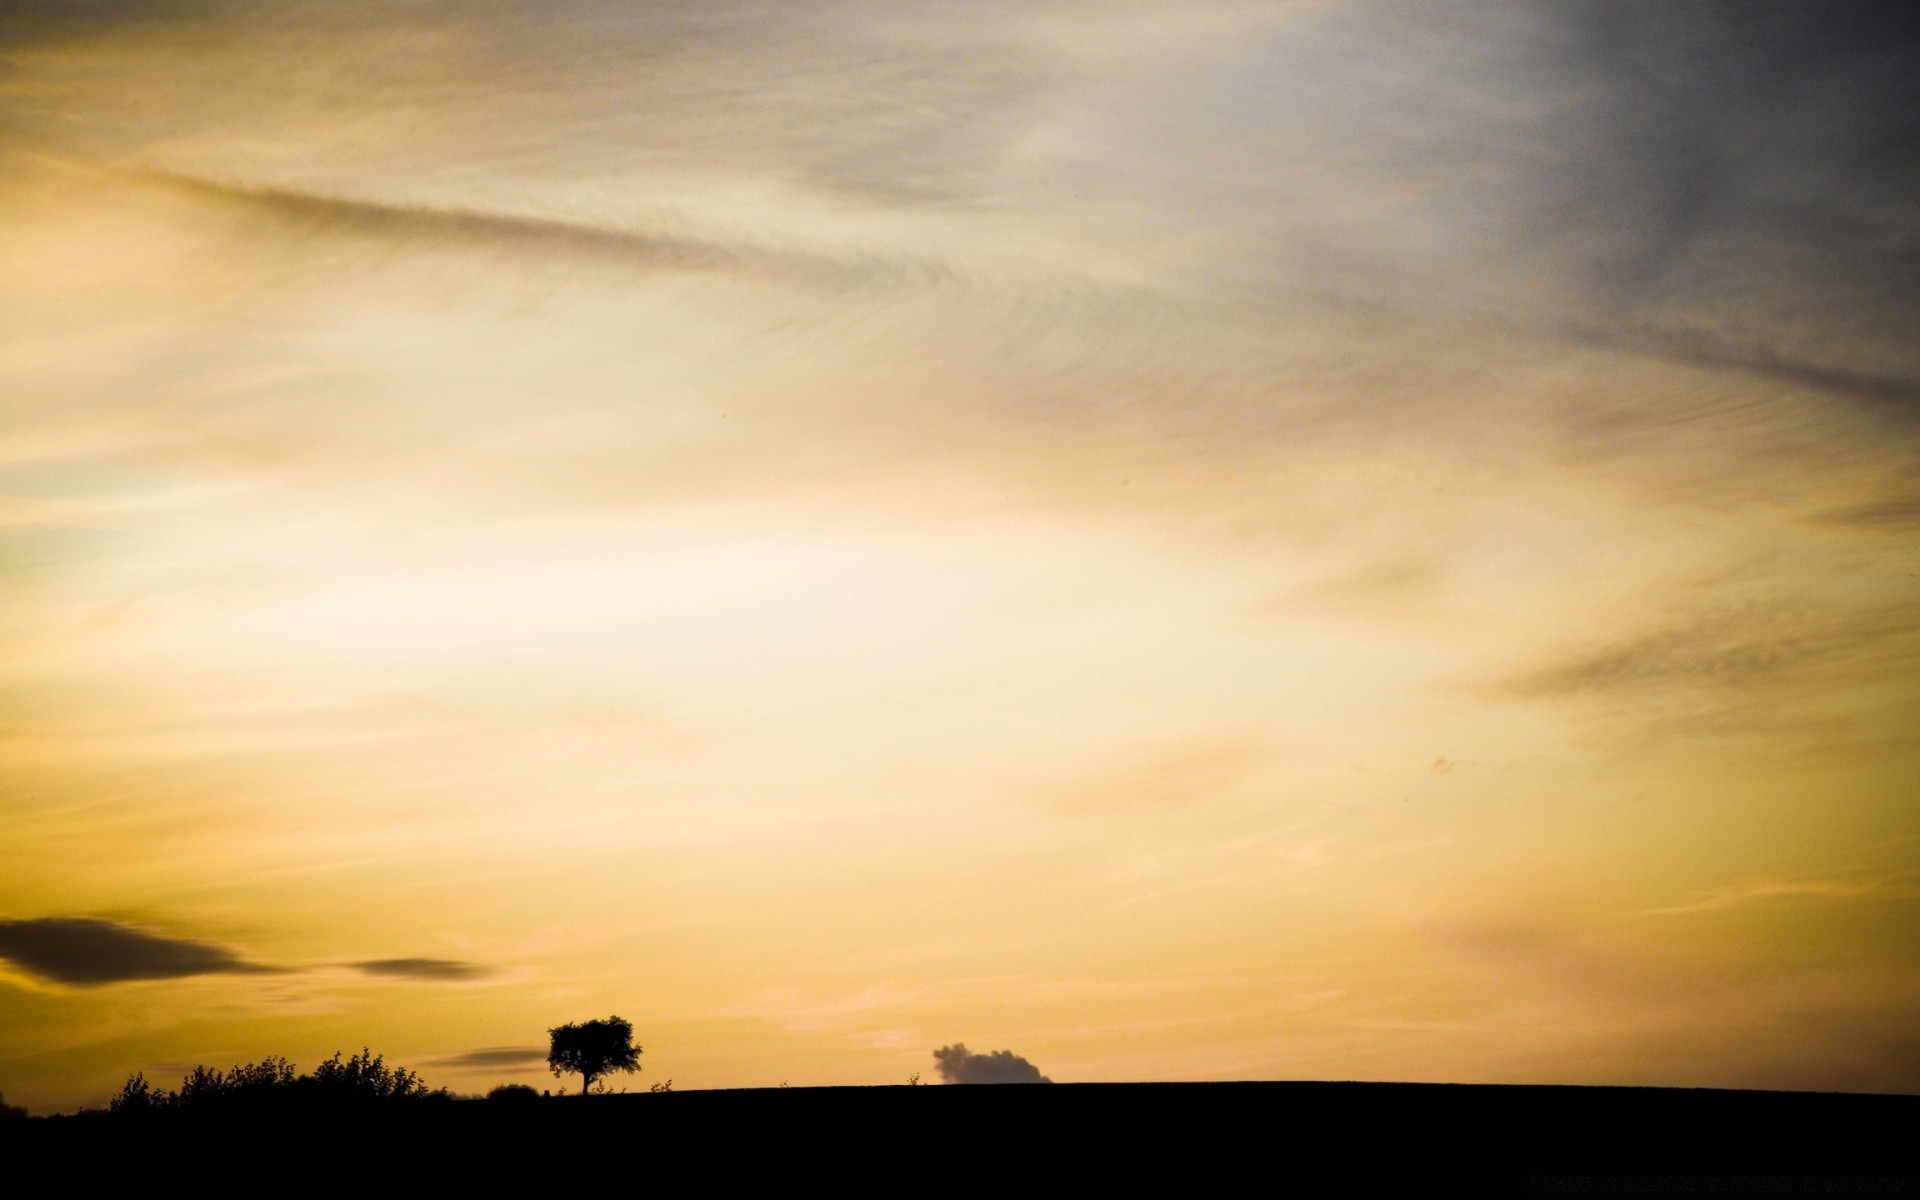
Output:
(592, 1049)
(11, 1112)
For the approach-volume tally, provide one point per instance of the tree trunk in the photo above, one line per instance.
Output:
(586, 1081)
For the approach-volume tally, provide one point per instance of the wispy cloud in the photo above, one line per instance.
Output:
(1904, 885)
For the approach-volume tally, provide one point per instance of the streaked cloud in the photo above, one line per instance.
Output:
(1752, 646)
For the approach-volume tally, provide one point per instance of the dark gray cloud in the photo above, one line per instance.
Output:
(1749, 171)
(439, 969)
(493, 1058)
(957, 1064)
(86, 951)
(1799, 119)
(1728, 183)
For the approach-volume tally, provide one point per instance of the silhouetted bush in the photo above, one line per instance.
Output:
(11, 1112)
(513, 1093)
(362, 1081)
(366, 1078)
(135, 1096)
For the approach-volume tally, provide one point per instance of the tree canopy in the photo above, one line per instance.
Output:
(592, 1049)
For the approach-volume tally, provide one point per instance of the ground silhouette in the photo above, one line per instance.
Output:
(351, 1113)
(1312, 1138)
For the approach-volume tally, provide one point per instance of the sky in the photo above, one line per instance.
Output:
(1305, 540)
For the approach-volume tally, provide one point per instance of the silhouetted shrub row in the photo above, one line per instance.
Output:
(362, 1081)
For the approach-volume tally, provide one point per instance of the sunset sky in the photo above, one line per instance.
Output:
(1220, 540)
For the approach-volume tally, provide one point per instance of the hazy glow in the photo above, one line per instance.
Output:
(1268, 540)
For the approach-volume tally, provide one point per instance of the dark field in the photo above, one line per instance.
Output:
(1317, 1138)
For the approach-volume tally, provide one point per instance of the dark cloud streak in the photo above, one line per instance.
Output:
(417, 223)
(1695, 349)
(493, 1058)
(434, 969)
(1743, 648)
(87, 952)
(582, 243)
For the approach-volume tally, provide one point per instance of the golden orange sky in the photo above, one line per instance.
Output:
(1220, 541)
